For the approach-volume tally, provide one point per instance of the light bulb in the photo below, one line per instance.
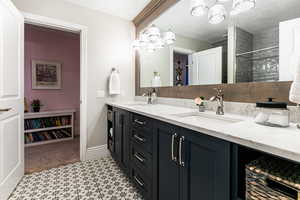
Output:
(216, 14)
(198, 8)
(243, 5)
(169, 37)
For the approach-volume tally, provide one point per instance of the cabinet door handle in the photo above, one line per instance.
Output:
(141, 183)
(140, 139)
(181, 141)
(139, 122)
(139, 158)
(173, 157)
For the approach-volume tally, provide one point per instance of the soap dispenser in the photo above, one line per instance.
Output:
(271, 113)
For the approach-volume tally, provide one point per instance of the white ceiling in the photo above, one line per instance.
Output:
(268, 13)
(126, 9)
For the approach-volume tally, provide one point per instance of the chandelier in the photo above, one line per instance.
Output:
(152, 39)
(217, 12)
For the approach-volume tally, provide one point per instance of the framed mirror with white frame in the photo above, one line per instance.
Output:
(205, 42)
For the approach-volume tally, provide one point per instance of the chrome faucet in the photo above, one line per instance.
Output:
(219, 97)
(151, 94)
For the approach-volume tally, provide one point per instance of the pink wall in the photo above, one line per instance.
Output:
(54, 45)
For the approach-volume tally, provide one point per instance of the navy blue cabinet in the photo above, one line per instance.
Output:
(191, 165)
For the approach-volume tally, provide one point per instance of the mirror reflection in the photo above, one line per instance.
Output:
(201, 42)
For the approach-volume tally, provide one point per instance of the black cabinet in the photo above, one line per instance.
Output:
(167, 166)
(169, 162)
(121, 137)
(205, 168)
(191, 165)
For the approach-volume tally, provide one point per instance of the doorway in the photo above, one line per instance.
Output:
(72, 116)
(52, 97)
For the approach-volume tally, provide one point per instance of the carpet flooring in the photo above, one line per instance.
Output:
(38, 158)
(90, 180)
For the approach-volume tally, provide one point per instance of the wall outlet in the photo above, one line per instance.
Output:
(100, 93)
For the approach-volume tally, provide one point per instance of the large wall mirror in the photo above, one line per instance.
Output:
(245, 47)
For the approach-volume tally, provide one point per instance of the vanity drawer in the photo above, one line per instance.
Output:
(142, 183)
(141, 160)
(140, 121)
(142, 138)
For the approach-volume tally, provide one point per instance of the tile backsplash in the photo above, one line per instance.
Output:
(247, 109)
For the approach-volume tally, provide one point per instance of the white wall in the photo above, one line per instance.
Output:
(160, 60)
(109, 41)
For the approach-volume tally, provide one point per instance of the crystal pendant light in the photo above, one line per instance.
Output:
(216, 14)
(198, 8)
(153, 33)
(242, 5)
(169, 37)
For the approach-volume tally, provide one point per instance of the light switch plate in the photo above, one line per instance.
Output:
(100, 93)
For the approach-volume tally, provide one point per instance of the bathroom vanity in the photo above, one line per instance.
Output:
(177, 153)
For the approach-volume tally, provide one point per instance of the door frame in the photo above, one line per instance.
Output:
(83, 30)
(179, 50)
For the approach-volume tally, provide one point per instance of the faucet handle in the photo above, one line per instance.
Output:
(219, 91)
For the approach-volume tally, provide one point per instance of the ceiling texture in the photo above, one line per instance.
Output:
(268, 13)
(126, 9)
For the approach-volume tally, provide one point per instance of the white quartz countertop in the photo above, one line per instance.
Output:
(283, 142)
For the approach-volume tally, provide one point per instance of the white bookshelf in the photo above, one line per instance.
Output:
(50, 114)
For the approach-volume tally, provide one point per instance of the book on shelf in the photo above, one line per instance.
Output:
(48, 135)
(47, 122)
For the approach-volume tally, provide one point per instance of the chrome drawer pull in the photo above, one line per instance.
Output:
(139, 122)
(181, 141)
(139, 158)
(139, 138)
(139, 181)
(172, 147)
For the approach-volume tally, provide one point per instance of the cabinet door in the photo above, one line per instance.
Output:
(122, 129)
(117, 134)
(168, 169)
(206, 173)
(125, 132)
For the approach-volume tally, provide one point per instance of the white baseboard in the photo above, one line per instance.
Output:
(97, 152)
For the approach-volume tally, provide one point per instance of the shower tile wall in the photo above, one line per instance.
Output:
(266, 63)
(262, 65)
(244, 43)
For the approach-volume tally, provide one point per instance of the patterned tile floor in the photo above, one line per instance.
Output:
(91, 180)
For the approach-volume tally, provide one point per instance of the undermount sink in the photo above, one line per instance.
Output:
(209, 117)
